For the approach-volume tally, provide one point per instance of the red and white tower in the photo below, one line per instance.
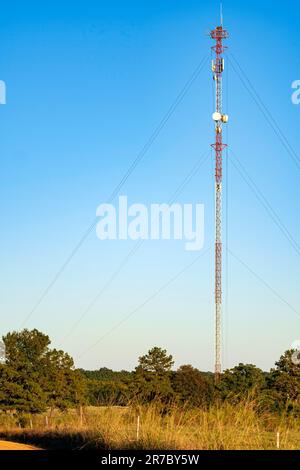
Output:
(218, 34)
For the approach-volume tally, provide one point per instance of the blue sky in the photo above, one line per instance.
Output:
(87, 83)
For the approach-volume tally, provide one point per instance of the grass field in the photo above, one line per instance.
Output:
(221, 427)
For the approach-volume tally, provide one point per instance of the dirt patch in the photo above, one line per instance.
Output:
(8, 445)
(53, 440)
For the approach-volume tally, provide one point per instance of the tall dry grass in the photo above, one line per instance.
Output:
(221, 427)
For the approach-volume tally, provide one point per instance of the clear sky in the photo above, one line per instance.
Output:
(87, 83)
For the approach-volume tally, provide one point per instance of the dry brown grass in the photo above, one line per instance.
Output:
(222, 427)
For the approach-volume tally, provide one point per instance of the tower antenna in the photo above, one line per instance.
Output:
(218, 34)
(221, 14)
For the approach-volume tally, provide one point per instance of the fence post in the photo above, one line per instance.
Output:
(278, 440)
(46, 421)
(138, 428)
(81, 415)
(30, 422)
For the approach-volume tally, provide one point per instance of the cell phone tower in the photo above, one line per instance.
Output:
(218, 34)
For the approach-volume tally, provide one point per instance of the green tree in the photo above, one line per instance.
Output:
(35, 377)
(284, 382)
(107, 374)
(156, 361)
(192, 386)
(152, 378)
(11, 392)
(241, 381)
(107, 393)
(23, 370)
(64, 385)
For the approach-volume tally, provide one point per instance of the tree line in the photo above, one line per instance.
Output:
(35, 378)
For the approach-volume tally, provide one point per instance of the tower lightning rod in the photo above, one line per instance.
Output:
(221, 14)
(218, 34)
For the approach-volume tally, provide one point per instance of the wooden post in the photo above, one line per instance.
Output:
(30, 422)
(46, 421)
(278, 440)
(81, 415)
(138, 428)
